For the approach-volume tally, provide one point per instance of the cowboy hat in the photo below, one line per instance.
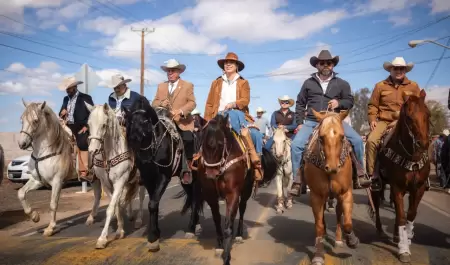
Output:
(286, 98)
(446, 132)
(117, 80)
(259, 110)
(398, 61)
(69, 82)
(324, 55)
(173, 64)
(195, 112)
(231, 56)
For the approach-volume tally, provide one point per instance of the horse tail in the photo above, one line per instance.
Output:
(132, 186)
(193, 196)
(269, 164)
(2, 163)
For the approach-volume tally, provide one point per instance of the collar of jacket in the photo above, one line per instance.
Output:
(314, 75)
(405, 81)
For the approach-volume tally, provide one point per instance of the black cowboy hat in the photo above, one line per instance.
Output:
(324, 55)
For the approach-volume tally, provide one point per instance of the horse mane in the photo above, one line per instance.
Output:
(112, 126)
(215, 125)
(143, 104)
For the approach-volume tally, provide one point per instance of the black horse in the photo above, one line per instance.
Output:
(2, 163)
(154, 146)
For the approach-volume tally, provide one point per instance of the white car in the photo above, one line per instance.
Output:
(17, 169)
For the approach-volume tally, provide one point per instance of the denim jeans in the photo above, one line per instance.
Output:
(237, 121)
(302, 137)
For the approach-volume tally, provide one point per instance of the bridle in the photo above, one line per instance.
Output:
(223, 159)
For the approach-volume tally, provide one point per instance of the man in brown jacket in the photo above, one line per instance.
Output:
(385, 102)
(178, 96)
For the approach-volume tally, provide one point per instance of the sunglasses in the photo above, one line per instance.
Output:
(285, 102)
(322, 63)
(399, 68)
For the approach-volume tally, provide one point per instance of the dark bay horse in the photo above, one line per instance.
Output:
(403, 163)
(223, 173)
(155, 144)
(2, 163)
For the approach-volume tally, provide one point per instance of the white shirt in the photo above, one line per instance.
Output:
(119, 100)
(324, 83)
(173, 86)
(228, 91)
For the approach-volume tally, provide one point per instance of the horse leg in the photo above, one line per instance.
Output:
(288, 180)
(96, 186)
(338, 240)
(103, 239)
(376, 198)
(280, 200)
(400, 231)
(31, 184)
(140, 217)
(318, 207)
(242, 207)
(351, 239)
(232, 200)
(213, 203)
(56, 192)
(414, 200)
(194, 227)
(120, 232)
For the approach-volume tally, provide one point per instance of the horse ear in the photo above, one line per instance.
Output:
(319, 115)
(24, 103)
(89, 106)
(406, 95)
(105, 108)
(343, 114)
(43, 105)
(422, 93)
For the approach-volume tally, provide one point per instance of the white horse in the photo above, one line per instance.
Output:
(113, 164)
(281, 149)
(51, 162)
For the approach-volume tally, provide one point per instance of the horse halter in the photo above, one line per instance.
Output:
(223, 158)
(34, 126)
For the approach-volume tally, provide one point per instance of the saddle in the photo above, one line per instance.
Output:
(387, 134)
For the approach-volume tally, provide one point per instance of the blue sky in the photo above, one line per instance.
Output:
(274, 38)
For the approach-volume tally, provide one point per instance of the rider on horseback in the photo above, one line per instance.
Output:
(75, 115)
(323, 91)
(231, 93)
(283, 118)
(385, 102)
(122, 97)
(177, 95)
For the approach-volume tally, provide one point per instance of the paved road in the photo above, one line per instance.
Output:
(272, 239)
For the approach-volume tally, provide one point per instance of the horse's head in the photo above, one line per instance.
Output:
(331, 137)
(279, 142)
(415, 116)
(102, 121)
(33, 123)
(214, 143)
(139, 122)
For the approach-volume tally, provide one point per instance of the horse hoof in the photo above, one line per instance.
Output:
(352, 242)
(198, 229)
(101, 243)
(289, 204)
(89, 221)
(219, 252)
(279, 211)
(120, 234)
(153, 247)
(35, 216)
(330, 209)
(239, 240)
(339, 244)
(189, 235)
(48, 232)
(405, 257)
(318, 261)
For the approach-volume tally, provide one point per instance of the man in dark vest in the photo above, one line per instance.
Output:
(283, 118)
(75, 115)
(122, 97)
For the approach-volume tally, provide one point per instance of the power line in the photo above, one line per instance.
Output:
(437, 65)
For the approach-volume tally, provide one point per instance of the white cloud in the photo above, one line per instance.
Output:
(335, 30)
(105, 25)
(300, 68)
(258, 21)
(153, 76)
(439, 6)
(63, 28)
(397, 20)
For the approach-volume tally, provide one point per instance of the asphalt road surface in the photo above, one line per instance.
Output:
(271, 238)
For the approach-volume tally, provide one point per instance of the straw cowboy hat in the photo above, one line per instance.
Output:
(399, 62)
(195, 112)
(232, 57)
(69, 82)
(324, 55)
(173, 64)
(286, 97)
(259, 110)
(117, 80)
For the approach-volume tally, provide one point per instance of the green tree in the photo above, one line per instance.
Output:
(439, 116)
(358, 113)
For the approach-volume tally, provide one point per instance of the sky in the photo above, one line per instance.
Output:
(43, 41)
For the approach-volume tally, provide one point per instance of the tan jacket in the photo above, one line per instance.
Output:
(387, 99)
(242, 98)
(182, 98)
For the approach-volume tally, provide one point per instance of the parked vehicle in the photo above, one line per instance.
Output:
(18, 168)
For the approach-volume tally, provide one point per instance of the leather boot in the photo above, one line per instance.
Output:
(83, 164)
(254, 157)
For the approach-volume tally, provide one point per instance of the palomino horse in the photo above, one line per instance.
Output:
(51, 159)
(113, 165)
(403, 163)
(328, 170)
(157, 148)
(223, 172)
(281, 149)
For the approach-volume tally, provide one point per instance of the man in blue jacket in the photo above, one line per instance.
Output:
(322, 90)
(283, 118)
(122, 97)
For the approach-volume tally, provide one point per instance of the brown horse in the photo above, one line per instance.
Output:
(328, 172)
(405, 155)
(224, 173)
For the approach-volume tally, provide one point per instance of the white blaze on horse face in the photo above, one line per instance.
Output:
(278, 141)
(98, 122)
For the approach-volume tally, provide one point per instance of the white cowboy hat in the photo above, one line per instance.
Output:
(173, 64)
(69, 82)
(117, 80)
(446, 132)
(400, 62)
(259, 109)
(195, 112)
(286, 97)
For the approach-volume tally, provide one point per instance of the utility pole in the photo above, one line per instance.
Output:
(144, 31)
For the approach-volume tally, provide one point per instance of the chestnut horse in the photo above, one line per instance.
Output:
(224, 173)
(403, 163)
(328, 172)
